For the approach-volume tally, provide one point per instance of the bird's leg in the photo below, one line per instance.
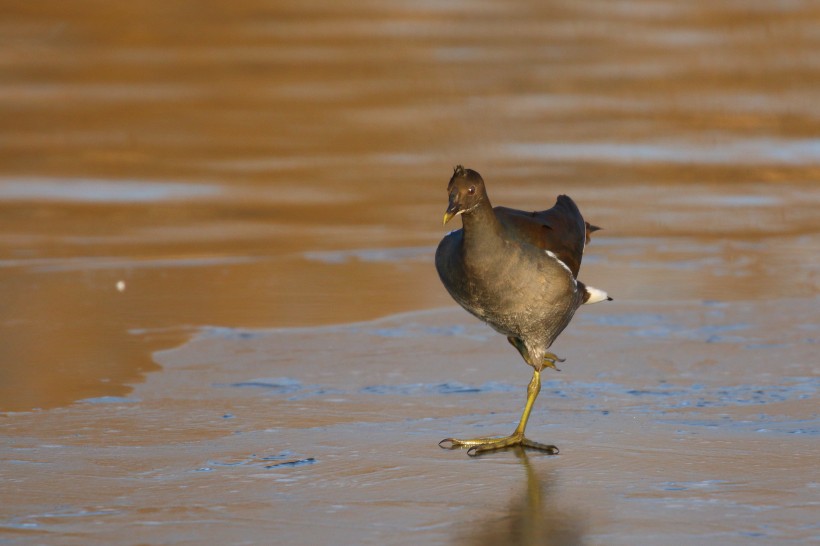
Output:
(481, 445)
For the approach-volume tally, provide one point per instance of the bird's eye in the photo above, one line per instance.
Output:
(471, 190)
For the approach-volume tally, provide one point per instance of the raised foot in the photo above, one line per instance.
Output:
(482, 445)
(550, 360)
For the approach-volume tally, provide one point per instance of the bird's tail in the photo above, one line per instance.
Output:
(594, 295)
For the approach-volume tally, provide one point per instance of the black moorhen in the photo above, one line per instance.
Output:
(517, 272)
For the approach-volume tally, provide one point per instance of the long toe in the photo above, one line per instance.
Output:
(476, 446)
(549, 448)
(511, 441)
(452, 443)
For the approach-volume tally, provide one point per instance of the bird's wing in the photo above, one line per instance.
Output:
(561, 230)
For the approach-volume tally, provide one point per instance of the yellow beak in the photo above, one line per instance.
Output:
(448, 216)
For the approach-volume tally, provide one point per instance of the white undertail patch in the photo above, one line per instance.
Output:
(596, 295)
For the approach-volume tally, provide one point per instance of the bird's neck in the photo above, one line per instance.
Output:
(480, 224)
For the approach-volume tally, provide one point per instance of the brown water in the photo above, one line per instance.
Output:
(221, 323)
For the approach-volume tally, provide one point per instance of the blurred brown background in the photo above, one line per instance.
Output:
(284, 163)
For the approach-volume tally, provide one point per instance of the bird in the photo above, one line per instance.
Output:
(516, 271)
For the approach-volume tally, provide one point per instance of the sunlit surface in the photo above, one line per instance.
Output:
(182, 183)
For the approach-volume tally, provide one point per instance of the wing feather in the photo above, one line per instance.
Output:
(560, 229)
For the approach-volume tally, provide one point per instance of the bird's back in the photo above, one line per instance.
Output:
(560, 229)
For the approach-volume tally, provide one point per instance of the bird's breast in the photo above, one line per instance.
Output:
(513, 289)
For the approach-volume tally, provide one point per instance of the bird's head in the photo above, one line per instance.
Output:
(466, 189)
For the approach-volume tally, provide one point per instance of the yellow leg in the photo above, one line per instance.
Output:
(481, 445)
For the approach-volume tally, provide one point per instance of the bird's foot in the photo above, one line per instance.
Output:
(550, 359)
(482, 445)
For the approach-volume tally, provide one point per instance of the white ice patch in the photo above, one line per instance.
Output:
(596, 295)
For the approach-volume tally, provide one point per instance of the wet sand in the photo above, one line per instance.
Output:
(222, 324)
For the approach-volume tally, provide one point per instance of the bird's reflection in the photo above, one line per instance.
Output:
(533, 517)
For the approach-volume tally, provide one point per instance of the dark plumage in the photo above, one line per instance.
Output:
(517, 271)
